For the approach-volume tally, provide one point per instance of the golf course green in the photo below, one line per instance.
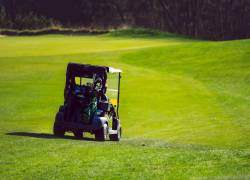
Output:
(185, 107)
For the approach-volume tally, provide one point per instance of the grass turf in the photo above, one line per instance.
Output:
(184, 108)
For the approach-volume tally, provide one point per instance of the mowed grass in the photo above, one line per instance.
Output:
(185, 108)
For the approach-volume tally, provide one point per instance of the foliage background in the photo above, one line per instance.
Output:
(208, 19)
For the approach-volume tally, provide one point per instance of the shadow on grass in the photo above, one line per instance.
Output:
(146, 33)
(46, 136)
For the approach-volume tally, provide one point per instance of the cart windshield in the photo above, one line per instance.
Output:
(112, 88)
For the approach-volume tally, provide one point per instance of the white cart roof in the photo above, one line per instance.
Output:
(114, 70)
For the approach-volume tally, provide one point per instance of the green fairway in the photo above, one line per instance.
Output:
(185, 108)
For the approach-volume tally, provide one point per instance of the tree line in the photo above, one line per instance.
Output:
(208, 19)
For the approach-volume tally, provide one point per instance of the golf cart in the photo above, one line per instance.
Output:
(89, 105)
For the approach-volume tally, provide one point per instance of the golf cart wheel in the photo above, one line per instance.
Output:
(102, 134)
(58, 129)
(78, 134)
(116, 137)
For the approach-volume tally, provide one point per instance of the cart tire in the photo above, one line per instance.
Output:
(116, 137)
(102, 134)
(58, 130)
